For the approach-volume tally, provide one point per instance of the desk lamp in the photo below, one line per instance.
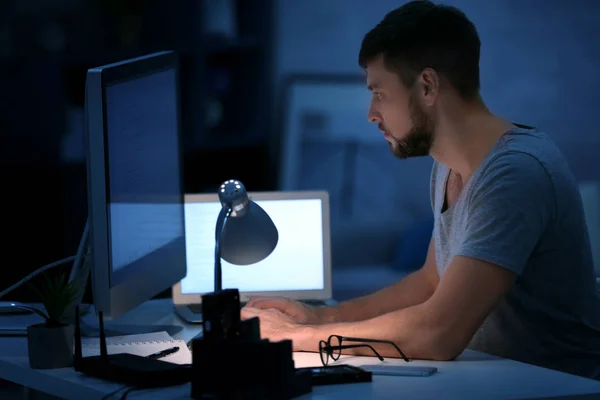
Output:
(244, 233)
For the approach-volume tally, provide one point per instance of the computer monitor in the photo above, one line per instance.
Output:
(134, 179)
(298, 268)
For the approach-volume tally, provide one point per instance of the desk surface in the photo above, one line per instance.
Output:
(472, 375)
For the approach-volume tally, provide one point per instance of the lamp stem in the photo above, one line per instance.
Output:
(221, 221)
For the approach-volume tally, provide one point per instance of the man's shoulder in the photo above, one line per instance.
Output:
(518, 163)
(524, 167)
(526, 146)
(527, 156)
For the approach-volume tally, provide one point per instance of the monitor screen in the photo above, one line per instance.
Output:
(296, 264)
(143, 174)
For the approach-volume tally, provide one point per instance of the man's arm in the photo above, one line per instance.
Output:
(411, 290)
(437, 329)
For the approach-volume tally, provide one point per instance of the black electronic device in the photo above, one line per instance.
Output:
(232, 351)
(133, 370)
(221, 313)
(240, 369)
(337, 374)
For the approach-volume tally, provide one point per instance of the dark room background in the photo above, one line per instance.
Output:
(240, 60)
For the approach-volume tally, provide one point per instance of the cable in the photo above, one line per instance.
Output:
(125, 393)
(109, 395)
(36, 273)
(139, 389)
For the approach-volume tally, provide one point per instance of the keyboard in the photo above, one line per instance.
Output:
(197, 308)
(192, 313)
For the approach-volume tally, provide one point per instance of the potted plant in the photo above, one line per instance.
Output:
(50, 343)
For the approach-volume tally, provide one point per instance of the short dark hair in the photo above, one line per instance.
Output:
(421, 34)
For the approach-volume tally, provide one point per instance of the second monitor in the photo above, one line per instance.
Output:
(298, 268)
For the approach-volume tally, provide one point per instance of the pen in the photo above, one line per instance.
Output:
(163, 353)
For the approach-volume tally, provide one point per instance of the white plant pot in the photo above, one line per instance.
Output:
(50, 347)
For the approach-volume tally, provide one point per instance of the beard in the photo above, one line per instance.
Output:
(418, 141)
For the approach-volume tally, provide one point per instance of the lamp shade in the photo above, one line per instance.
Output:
(250, 234)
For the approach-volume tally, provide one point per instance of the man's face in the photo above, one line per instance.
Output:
(398, 112)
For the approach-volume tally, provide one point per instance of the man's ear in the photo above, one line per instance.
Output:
(429, 86)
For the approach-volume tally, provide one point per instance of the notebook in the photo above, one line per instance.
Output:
(140, 345)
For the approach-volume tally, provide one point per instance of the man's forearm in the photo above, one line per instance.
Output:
(413, 289)
(414, 329)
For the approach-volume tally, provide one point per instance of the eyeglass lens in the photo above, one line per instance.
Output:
(334, 341)
(330, 349)
(323, 352)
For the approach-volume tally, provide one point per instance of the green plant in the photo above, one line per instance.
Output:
(57, 294)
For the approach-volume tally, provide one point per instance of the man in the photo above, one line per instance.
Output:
(509, 269)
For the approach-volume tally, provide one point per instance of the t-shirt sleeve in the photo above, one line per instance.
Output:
(510, 206)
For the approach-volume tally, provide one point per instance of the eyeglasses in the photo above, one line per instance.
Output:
(332, 348)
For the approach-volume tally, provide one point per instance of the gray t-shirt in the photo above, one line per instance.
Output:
(522, 210)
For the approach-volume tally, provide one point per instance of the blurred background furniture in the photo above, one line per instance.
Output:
(258, 74)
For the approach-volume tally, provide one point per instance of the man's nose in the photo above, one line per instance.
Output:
(373, 115)
(374, 118)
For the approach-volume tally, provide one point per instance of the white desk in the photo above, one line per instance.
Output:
(472, 376)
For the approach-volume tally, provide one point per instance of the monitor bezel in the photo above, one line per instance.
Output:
(110, 299)
(318, 294)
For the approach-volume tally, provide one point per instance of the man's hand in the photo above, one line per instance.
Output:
(299, 312)
(276, 326)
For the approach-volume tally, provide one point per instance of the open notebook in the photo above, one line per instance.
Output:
(141, 345)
